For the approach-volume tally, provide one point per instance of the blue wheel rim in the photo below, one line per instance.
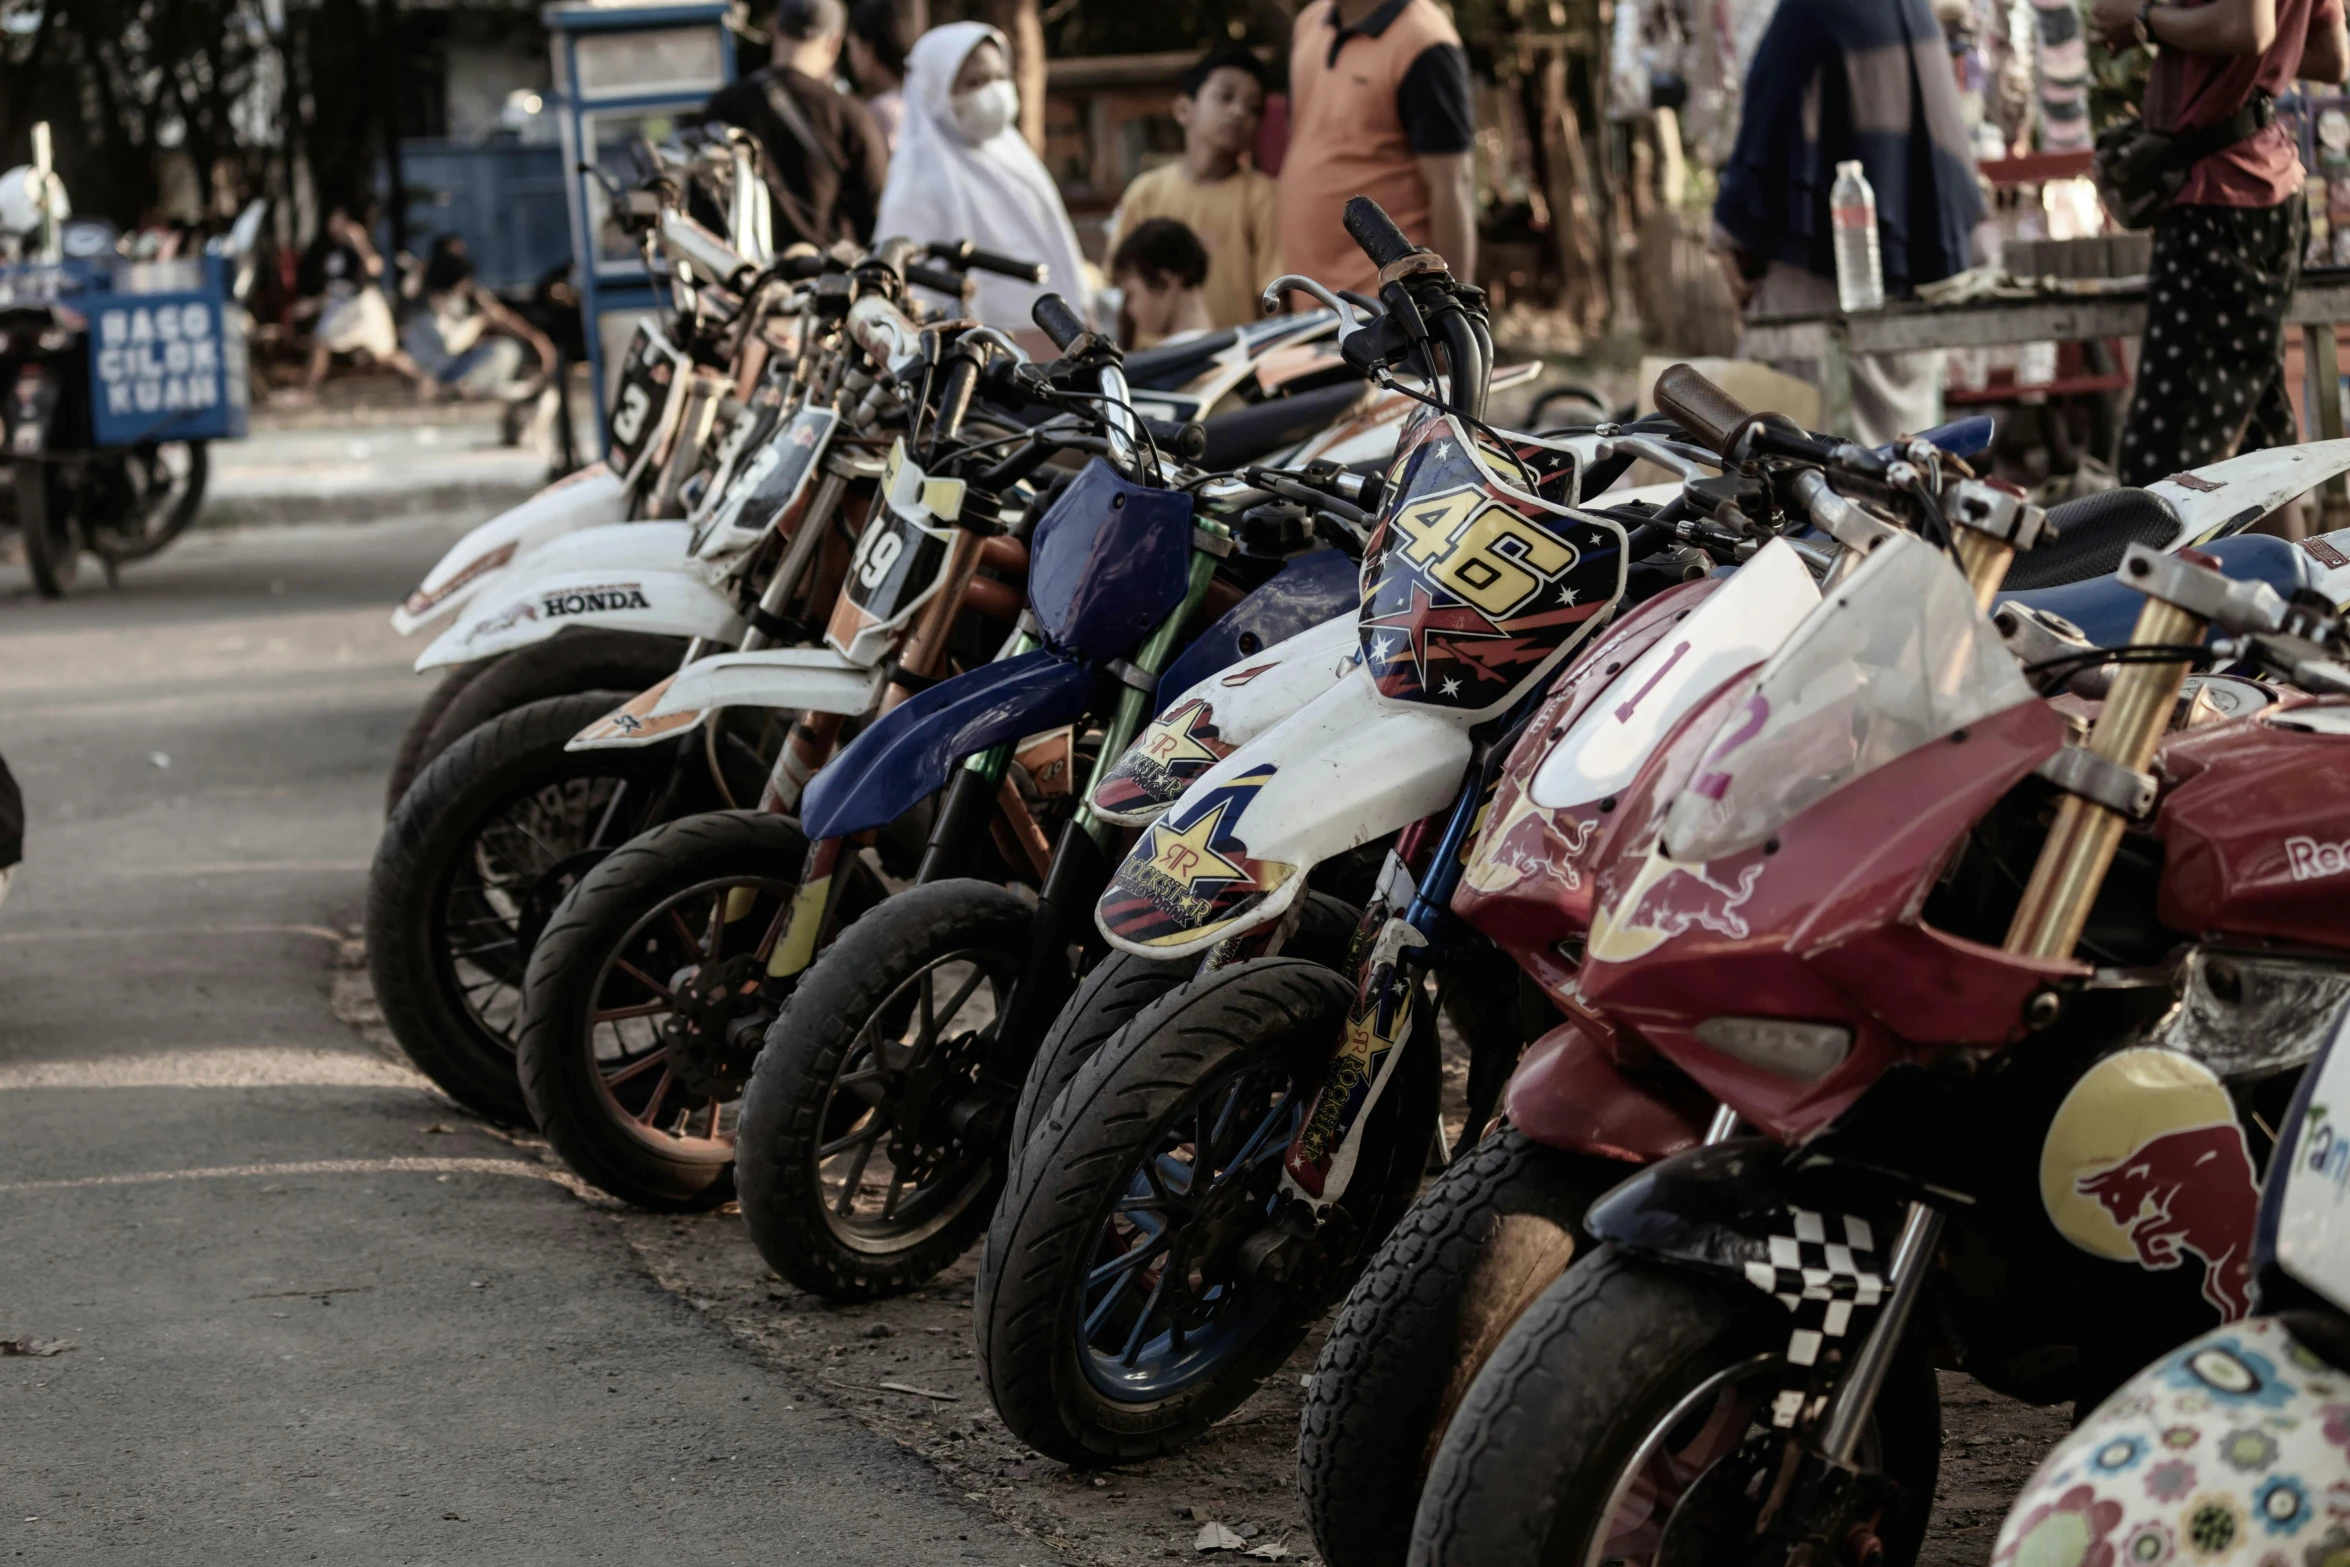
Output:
(1156, 1316)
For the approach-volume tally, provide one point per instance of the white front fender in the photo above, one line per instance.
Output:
(1222, 713)
(1234, 852)
(592, 497)
(805, 679)
(671, 602)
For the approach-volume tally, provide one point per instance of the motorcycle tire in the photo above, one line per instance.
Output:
(45, 523)
(804, 1149)
(1487, 1237)
(1251, 1043)
(1122, 984)
(434, 872)
(621, 1097)
(1602, 1373)
(470, 695)
(119, 547)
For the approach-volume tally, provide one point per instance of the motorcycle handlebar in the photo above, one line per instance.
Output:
(1368, 224)
(1703, 409)
(1057, 321)
(944, 280)
(964, 254)
(1187, 441)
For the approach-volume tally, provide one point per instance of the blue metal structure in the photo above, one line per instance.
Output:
(624, 69)
(509, 201)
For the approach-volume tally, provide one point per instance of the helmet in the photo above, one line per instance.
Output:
(20, 200)
(2227, 1452)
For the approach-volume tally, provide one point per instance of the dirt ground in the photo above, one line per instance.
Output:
(904, 1368)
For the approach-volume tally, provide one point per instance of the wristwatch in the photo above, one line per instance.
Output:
(2144, 33)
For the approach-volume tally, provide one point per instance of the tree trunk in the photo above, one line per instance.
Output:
(1018, 20)
(1574, 217)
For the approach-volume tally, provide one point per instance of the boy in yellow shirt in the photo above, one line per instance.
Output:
(1210, 190)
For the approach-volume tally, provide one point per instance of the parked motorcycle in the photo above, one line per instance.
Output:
(2006, 1054)
(117, 377)
(2228, 1449)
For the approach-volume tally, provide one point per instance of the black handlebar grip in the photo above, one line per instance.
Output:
(1698, 406)
(1187, 441)
(943, 279)
(1056, 320)
(1370, 227)
(963, 253)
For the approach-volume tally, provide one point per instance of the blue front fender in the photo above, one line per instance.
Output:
(909, 752)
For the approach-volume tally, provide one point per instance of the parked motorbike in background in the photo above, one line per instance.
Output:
(113, 377)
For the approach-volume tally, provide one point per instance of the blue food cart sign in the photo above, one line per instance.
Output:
(164, 367)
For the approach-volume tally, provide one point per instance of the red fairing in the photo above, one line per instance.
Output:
(2255, 828)
(1569, 1093)
(1524, 884)
(1826, 928)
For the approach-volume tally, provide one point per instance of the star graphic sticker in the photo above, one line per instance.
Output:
(1452, 686)
(1187, 855)
(1420, 619)
(1176, 738)
(1566, 594)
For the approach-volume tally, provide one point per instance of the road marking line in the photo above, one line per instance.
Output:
(240, 867)
(263, 1066)
(306, 1167)
(173, 932)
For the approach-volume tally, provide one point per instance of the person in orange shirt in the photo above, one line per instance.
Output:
(1379, 107)
(1210, 190)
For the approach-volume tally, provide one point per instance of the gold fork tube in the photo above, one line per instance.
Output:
(2081, 845)
(1985, 560)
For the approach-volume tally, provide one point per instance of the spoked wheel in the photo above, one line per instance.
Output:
(871, 1149)
(1626, 1422)
(647, 999)
(471, 868)
(156, 491)
(46, 523)
(1141, 1278)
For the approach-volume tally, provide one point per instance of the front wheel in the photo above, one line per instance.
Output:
(45, 522)
(157, 490)
(1140, 1279)
(471, 867)
(1626, 1417)
(646, 999)
(1486, 1238)
(871, 1150)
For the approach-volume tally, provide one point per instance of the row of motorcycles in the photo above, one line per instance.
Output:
(1892, 925)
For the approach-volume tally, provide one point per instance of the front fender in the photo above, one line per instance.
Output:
(1233, 853)
(1755, 1210)
(805, 679)
(909, 752)
(662, 602)
(592, 497)
(1221, 713)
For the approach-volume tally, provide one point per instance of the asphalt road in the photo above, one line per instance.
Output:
(313, 1314)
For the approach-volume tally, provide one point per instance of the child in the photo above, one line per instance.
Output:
(1228, 207)
(1159, 267)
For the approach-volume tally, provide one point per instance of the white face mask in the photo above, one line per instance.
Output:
(985, 112)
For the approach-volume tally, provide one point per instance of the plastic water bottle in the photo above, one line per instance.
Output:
(1852, 209)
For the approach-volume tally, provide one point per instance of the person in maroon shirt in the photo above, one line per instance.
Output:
(2227, 250)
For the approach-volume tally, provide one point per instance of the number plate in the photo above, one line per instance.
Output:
(901, 561)
(644, 400)
(769, 485)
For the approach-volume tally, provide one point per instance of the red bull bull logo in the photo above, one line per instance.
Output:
(2145, 1163)
(2189, 1193)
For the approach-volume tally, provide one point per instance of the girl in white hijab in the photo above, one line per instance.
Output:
(962, 172)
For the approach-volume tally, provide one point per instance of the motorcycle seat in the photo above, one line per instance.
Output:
(1247, 434)
(2106, 611)
(1170, 366)
(2092, 534)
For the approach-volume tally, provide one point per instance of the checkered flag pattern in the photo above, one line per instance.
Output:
(1822, 1283)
